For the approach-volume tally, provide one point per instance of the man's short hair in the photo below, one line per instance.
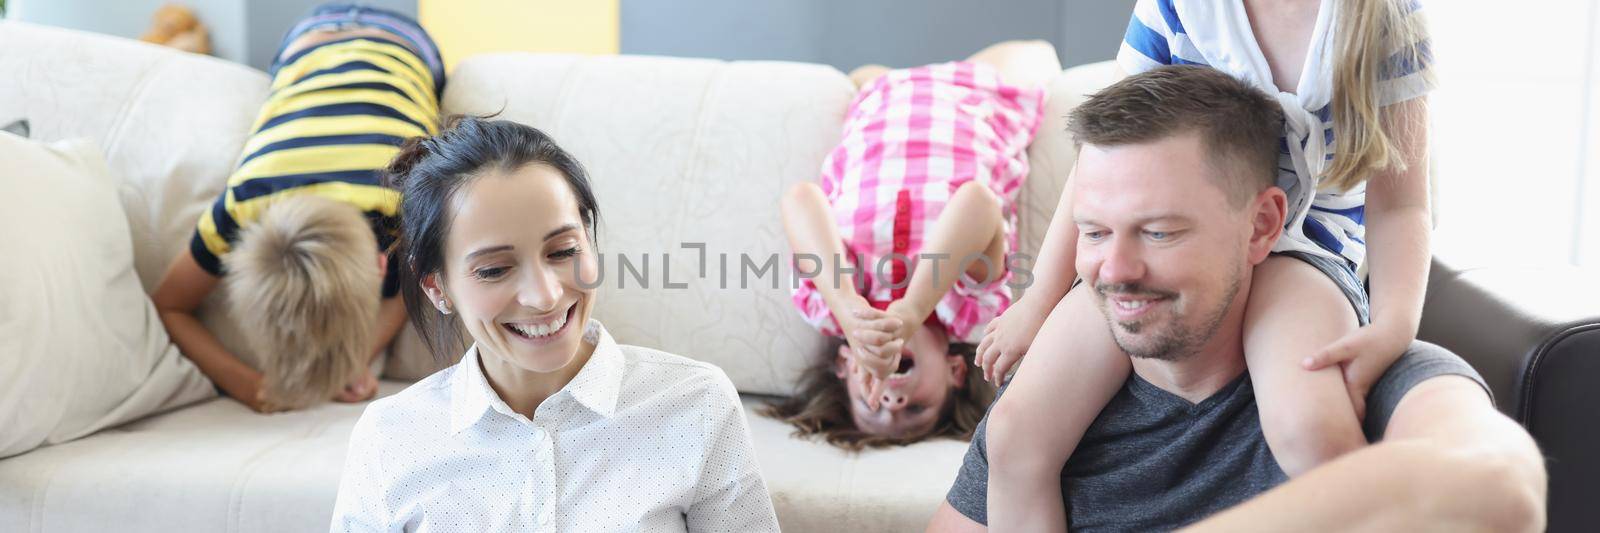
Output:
(1239, 126)
(304, 280)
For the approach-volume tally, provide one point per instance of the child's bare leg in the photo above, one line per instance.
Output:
(1071, 372)
(1022, 63)
(1295, 310)
(967, 228)
(864, 74)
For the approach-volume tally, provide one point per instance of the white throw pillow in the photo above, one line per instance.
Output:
(81, 346)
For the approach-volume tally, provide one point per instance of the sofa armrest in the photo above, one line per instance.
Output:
(1534, 334)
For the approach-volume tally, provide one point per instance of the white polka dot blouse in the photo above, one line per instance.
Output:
(639, 440)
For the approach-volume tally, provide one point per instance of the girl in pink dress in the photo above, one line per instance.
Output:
(903, 241)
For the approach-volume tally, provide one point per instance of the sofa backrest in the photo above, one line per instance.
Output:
(681, 152)
(697, 153)
(170, 123)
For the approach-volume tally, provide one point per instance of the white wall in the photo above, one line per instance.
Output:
(1516, 132)
(1587, 236)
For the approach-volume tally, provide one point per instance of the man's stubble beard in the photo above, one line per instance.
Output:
(1180, 342)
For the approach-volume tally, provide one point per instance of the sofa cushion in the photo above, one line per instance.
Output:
(218, 467)
(816, 487)
(83, 348)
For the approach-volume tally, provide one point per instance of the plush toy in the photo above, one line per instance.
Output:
(176, 26)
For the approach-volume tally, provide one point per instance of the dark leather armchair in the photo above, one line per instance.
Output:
(1534, 334)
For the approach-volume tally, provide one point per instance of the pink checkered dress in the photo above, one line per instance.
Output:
(910, 139)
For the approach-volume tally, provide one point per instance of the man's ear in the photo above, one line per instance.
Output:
(383, 265)
(1268, 211)
(841, 362)
(958, 370)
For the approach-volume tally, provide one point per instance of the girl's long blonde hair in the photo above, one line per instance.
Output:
(1374, 38)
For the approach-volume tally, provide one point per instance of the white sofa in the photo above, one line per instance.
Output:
(680, 151)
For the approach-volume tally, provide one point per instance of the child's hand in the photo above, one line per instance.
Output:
(874, 344)
(1005, 340)
(361, 389)
(876, 348)
(255, 397)
(1365, 355)
(901, 323)
(909, 319)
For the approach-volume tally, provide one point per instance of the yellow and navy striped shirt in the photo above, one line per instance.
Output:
(337, 114)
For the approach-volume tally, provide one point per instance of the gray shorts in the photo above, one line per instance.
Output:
(1342, 275)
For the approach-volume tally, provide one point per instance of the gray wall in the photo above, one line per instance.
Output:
(130, 18)
(1091, 30)
(842, 33)
(850, 33)
(270, 19)
(724, 29)
(246, 31)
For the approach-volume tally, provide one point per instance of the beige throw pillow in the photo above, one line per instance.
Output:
(81, 346)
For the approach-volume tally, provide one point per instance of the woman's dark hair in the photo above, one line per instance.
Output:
(821, 407)
(430, 170)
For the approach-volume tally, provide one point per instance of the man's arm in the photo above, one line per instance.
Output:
(1449, 461)
(948, 520)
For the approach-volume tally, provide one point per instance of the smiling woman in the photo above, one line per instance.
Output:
(497, 231)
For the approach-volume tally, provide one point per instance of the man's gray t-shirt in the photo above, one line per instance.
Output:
(1154, 461)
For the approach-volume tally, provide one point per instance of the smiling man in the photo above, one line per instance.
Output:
(1180, 444)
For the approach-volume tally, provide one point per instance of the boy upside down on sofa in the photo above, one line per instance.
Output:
(302, 232)
(908, 229)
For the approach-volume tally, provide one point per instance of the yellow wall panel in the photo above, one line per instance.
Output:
(468, 27)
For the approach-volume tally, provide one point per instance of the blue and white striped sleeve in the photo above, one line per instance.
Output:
(1147, 43)
(1403, 77)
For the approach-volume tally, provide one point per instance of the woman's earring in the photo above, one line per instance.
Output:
(444, 306)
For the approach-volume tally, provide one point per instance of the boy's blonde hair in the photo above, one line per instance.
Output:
(1376, 39)
(304, 279)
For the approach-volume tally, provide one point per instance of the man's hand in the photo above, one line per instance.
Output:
(360, 389)
(1006, 339)
(1364, 355)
